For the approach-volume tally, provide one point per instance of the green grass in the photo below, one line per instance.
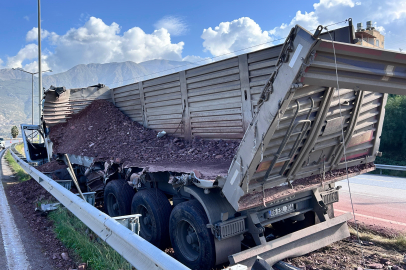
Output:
(20, 148)
(397, 242)
(76, 236)
(20, 173)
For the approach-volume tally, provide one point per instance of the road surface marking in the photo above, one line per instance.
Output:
(375, 218)
(13, 246)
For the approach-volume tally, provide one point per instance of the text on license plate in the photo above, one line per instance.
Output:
(281, 210)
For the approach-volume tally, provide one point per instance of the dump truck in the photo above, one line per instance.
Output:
(308, 113)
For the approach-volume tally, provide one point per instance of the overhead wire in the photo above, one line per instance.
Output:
(209, 58)
(203, 60)
(344, 146)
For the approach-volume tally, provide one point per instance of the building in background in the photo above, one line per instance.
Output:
(369, 37)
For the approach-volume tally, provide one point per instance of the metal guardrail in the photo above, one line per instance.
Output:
(137, 251)
(390, 167)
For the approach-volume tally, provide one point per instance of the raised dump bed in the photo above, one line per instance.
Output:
(296, 109)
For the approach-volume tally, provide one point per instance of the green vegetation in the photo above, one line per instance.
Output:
(14, 132)
(20, 173)
(397, 242)
(76, 236)
(20, 148)
(393, 138)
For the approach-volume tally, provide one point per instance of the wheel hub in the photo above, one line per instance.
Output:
(147, 220)
(115, 206)
(191, 238)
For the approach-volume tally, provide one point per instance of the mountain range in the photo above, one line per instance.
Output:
(16, 86)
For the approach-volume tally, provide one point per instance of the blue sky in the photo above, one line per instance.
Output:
(81, 32)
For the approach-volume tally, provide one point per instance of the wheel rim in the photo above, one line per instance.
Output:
(145, 221)
(112, 205)
(188, 240)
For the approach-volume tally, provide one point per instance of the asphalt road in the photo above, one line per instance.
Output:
(18, 247)
(378, 200)
(11, 141)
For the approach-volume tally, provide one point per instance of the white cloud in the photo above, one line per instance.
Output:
(174, 25)
(84, 17)
(381, 29)
(196, 60)
(33, 66)
(96, 42)
(1, 63)
(29, 52)
(233, 36)
(33, 34)
(388, 17)
(333, 3)
(26, 18)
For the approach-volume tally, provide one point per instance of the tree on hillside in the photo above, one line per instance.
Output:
(393, 137)
(14, 132)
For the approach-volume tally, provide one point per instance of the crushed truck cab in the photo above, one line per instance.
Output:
(307, 113)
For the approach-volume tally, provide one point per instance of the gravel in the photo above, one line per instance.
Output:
(102, 131)
(257, 198)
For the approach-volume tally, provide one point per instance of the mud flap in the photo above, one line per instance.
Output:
(297, 243)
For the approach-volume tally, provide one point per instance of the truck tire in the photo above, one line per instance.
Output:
(117, 198)
(155, 209)
(192, 241)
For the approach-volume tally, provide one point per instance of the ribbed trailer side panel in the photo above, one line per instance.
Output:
(61, 104)
(260, 66)
(214, 100)
(127, 99)
(163, 106)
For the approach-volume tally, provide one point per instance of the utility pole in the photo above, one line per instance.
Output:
(39, 64)
(32, 90)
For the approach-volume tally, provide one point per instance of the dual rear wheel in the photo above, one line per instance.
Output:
(184, 226)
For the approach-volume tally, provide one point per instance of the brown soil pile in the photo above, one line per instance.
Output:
(102, 131)
(25, 195)
(256, 199)
(50, 166)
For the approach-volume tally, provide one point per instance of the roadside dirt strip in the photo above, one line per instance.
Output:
(27, 240)
(14, 250)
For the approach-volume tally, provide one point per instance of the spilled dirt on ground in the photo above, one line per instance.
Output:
(350, 254)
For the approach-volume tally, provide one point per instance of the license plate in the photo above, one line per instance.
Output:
(281, 210)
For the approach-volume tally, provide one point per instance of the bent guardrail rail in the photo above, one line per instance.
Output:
(137, 251)
(390, 167)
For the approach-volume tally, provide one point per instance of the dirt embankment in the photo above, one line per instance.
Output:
(102, 131)
(25, 195)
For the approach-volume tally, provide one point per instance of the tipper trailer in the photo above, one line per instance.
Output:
(307, 112)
